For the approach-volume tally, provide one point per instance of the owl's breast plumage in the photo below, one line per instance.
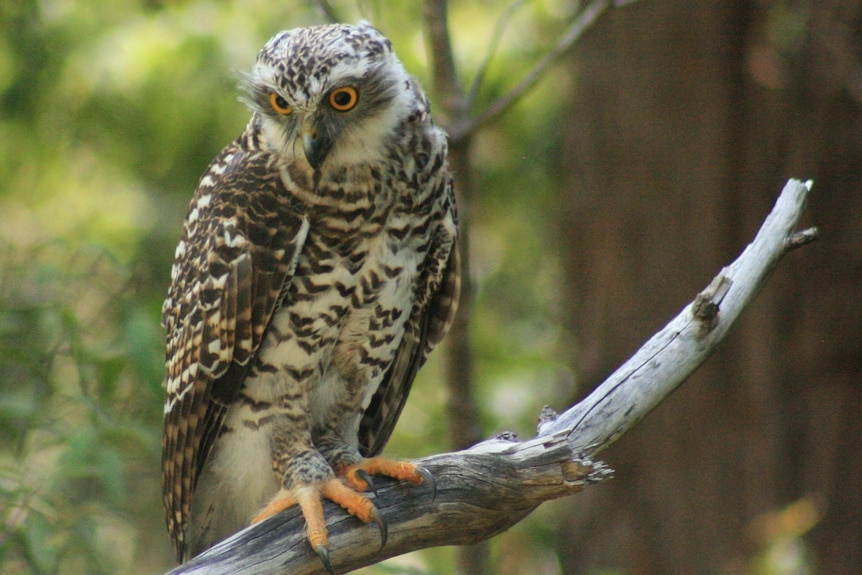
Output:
(358, 281)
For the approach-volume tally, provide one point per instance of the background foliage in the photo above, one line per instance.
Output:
(110, 111)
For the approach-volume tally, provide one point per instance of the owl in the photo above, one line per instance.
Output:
(316, 270)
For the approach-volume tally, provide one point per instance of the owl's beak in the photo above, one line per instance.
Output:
(316, 147)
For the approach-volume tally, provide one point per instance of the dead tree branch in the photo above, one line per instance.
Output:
(486, 489)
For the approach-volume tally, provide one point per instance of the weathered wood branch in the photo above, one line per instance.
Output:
(486, 489)
(671, 355)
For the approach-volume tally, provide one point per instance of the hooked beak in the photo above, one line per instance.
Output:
(315, 146)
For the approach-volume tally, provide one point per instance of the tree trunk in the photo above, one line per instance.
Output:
(684, 118)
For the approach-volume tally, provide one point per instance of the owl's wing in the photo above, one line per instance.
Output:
(237, 254)
(429, 322)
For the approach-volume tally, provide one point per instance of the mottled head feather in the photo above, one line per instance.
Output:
(304, 63)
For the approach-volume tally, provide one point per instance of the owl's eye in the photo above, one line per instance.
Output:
(279, 104)
(343, 99)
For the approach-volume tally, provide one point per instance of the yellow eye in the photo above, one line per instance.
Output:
(343, 99)
(279, 104)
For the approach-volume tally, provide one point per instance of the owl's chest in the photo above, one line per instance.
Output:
(357, 279)
(342, 316)
(349, 291)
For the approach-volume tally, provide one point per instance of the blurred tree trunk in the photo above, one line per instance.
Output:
(462, 413)
(686, 122)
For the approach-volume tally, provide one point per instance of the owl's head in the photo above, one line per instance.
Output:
(329, 93)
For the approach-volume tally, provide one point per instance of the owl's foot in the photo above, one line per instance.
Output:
(359, 474)
(310, 497)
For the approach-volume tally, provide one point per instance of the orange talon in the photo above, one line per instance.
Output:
(310, 501)
(315, 521)
(279, 503)
(355, 503)
(401, 470)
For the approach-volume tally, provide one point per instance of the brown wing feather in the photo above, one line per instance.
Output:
(426, 327)
(238, 251)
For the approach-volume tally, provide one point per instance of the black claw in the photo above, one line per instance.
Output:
(364, 476)
(381, 524)
(323, 552)
(426, 476)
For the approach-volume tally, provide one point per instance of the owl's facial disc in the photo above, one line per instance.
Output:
(330, 95)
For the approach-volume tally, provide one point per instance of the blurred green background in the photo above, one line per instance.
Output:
(671, 129)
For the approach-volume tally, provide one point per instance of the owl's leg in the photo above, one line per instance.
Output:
(306, 479)
(310, 500)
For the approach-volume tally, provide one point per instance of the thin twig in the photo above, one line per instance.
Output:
(584, 20)
(328, 11)
(499, 29)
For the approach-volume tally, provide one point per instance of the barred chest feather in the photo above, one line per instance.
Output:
(353, 289)
(345, 320)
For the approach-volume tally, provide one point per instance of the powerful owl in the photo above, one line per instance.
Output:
(316, 271)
